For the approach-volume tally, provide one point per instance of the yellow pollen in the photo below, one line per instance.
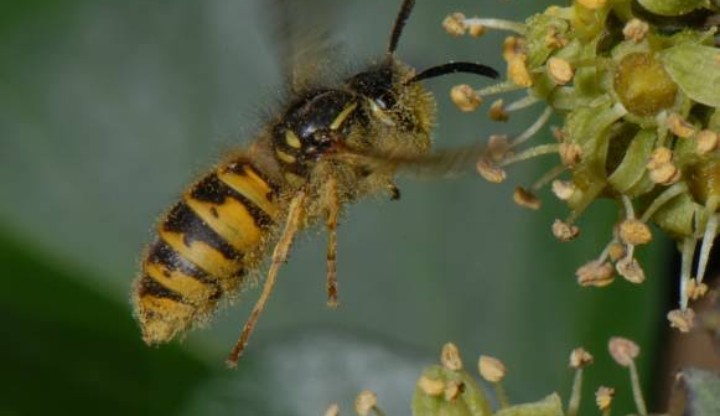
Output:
(680, 127)
(491, 369)
(497, 111)
(430, 386)
(623, 350)
(454, 24)
(580, 358)
(465, 98)
(707, 141)
(560, 70)
(634, 232)
(527, 199)
(603, 397)
(682, 319)
(450, 357)
(636, 30)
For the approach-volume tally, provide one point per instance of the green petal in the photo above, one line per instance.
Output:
(696, 69)
(472, 401)
(672, 7)
(632, 168)
(549, 406)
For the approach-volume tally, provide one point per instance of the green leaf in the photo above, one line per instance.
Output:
(68, 350)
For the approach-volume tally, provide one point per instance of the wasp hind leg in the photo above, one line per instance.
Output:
(333, 211)
(294, 220)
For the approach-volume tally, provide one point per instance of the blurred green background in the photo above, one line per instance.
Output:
(107, 109)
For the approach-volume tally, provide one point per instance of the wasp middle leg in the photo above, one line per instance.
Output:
(333, 211)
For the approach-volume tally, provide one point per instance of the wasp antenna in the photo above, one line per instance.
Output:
(453, 67)
(400, 21)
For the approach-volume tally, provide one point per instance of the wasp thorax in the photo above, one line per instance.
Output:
(312, 126)
(643, 85)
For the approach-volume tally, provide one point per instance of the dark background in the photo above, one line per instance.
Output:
(107, 109)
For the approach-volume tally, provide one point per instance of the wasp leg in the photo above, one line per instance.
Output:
(394, 191)
(294, 219)
(333, 211)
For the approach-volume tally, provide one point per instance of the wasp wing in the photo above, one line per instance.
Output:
(303, 33)
(440, 163)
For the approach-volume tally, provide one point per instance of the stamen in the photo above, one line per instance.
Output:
(711, 229)
(497, 24)
(680, 127)
(534, 128)
(493, 370)
(564, 230)
(498, 112)
(366, 404)
(526, 198)
(499, 88)
(706, 141)
(548, 177)
(543, 149)
(682, 319)
(579, 359)
(624, 352)
(688, 252)
(662, 199)
(564, 190)
(560, 70)
(603, 399)
(465, 98)
(522, 103)
(629, 268)
(636, 30)
(597, 273)
(627, 204)
(588, 196)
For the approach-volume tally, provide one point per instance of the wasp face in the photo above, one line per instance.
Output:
(376, 85)
(392, 103)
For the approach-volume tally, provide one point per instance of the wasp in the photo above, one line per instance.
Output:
(327, 147)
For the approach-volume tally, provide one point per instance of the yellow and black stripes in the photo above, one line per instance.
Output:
(202, 247)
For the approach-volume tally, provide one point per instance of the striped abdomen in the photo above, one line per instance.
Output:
(203, 247)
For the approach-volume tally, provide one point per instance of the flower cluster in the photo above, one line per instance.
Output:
(637, 86)
(449, 389)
